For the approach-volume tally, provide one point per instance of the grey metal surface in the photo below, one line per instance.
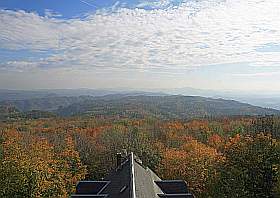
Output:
(144, 183)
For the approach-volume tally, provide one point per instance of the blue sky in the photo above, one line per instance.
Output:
(78, 8)
(67, 8)
(207, 44)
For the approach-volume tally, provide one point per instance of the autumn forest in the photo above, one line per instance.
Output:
(222, 156)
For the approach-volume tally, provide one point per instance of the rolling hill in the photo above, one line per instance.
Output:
(165, 107)
(137, 106)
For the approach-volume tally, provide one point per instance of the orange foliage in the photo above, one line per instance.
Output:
(175, 126)
(216, 141)
(31, 167)
(233, 140)
(198, 125)
(193, 162)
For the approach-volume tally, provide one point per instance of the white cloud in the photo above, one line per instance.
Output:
(51, 14)
(196, 33)
(154, 4)
(265, 64)
(18, 66)
(259, 74)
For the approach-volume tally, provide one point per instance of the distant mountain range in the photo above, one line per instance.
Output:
(161, 103)
(264, 99)
(165, 107)
(131, 105)
(6, 94)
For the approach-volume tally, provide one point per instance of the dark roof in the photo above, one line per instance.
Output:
(132, 180)
(186, 195)
(88, 196)
(173, 186)
(91, 187)
(120, 181)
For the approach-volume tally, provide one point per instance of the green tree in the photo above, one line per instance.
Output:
(250, 167)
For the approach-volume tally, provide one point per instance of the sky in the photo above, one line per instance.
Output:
(140, 44)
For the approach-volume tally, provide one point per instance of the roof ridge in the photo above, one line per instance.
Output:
(132, 180)
(132, 183)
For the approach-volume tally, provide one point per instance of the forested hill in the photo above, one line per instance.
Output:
(166, 107)
(45, 103)
(140, 106)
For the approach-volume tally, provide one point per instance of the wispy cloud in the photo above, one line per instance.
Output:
(191, 34)
(88, 3)
(51, 14)
(265, 64)
(259, 74)
(154, 4)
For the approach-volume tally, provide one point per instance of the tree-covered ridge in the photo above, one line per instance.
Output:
(8, 113)
(162, 107)
(43, 104)
(138, 106)
(225, 157)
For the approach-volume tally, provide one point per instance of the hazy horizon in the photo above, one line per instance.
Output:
(172, 91)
